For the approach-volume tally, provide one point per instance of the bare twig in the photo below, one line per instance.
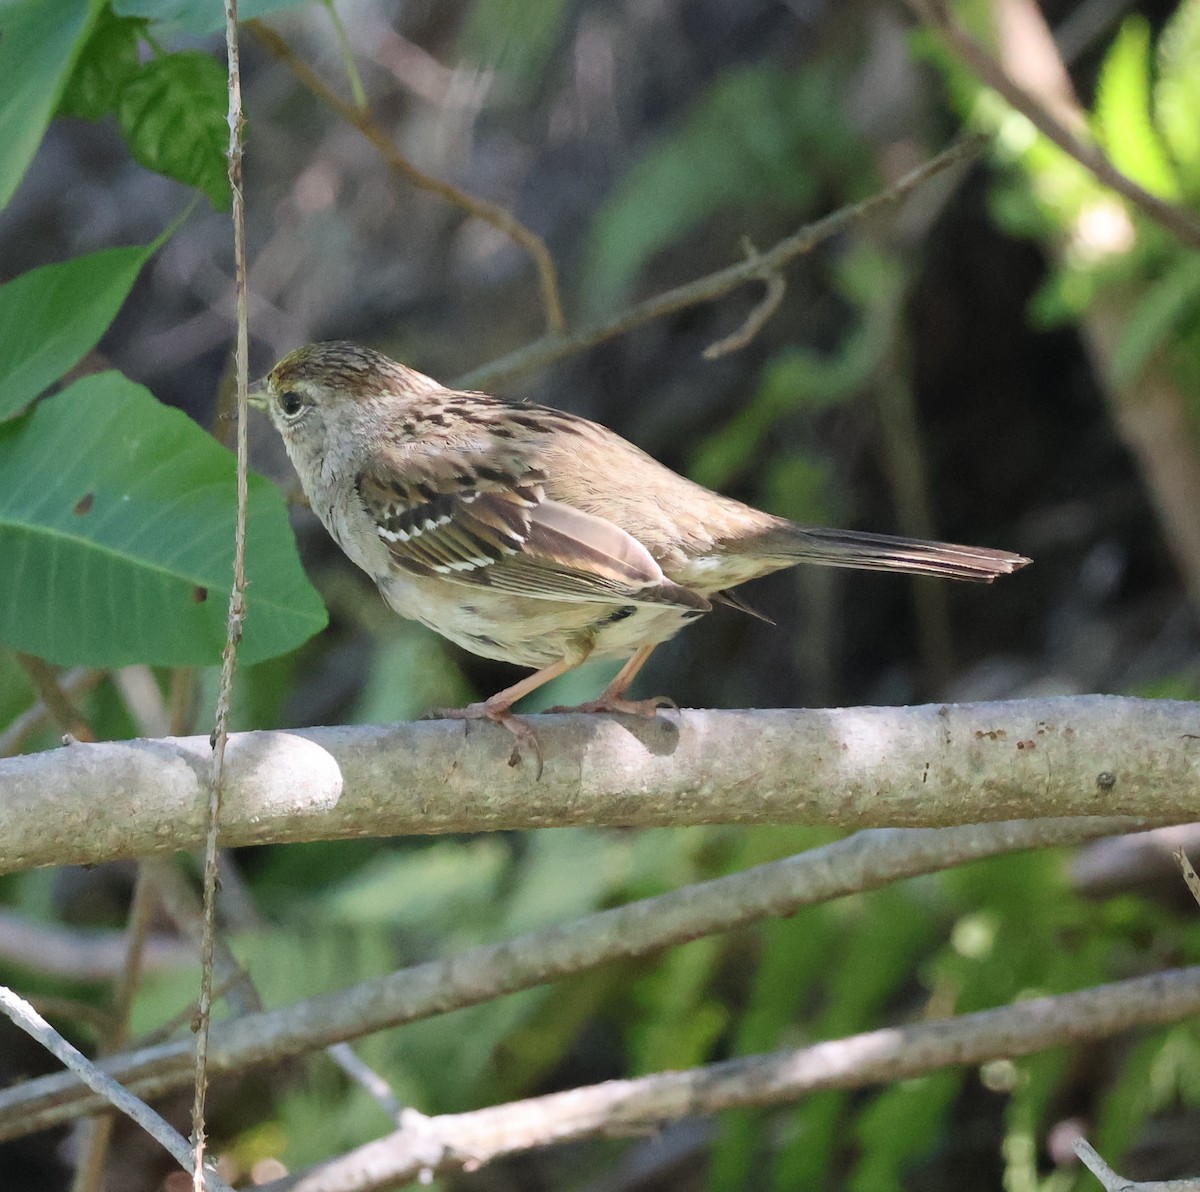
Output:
(619, 1108)
(1112, 1182)
(181, 700)
(237, 601)
(1189, 874)
(365, 1076)
(1181, 223)
(236, 984)
(82, 955)
(866, 861)
(73, 684)
(45, 681)
(107, 1089)
(491, 213)
(758, 317)
(556, 346)
(89, 1176)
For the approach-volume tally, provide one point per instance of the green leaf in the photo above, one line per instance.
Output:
(1177, 94)
(513, 38)
(197, 16)
(39, 41)
(51, 317)
(106, 63)
(1122, 118)
(116, 528)
(759, 135)
(1158, 314)
(173, 114)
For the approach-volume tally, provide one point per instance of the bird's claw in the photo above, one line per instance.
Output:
(646, 708)
(525, 736)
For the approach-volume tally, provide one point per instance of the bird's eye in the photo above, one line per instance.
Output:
(291, 403)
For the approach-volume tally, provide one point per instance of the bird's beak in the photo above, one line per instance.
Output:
(258, 394)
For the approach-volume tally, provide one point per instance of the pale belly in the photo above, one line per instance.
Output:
(531, 632)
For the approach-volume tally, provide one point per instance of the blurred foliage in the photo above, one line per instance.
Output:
(1107, 253)
(514, 38)
(766, 143)
(761, 137)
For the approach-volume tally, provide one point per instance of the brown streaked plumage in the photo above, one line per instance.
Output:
(535, 536)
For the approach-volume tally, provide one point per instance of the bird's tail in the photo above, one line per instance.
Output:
(885, 552)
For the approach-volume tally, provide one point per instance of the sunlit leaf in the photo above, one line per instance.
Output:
(1123, 119)
(1177, 93)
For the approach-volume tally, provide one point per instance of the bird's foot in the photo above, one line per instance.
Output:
(646, 708)
(526, 738)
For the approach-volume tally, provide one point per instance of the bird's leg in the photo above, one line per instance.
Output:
(498, 709)
(612, 699)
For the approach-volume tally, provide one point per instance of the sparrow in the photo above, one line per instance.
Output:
(535, 536)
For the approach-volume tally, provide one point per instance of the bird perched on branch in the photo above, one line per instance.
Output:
(534, 536)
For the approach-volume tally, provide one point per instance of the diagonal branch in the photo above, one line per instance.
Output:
(618, 1108)
(866, 861)
(55, 697)
(557, 345)
(361, 119)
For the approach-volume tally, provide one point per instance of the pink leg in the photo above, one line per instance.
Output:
(497, 709)
(612, 699)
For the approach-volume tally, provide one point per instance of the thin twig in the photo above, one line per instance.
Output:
(1183, 224)
(555, 346)
(181, 712)
(73, 684)
(618, 1108)
(865, 861)
(1114, 1182)
(237, 986)
(354, 1066)
(82, 954)
(89, 1176)
(758, 317)
(44, 679)
(491, 213)
(110, 1092)
(237, 603)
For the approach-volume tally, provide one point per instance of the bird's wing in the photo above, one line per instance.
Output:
(477, 519)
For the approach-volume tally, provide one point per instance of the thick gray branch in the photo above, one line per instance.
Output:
(854, 767)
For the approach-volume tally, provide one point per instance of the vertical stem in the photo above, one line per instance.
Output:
(237, 601)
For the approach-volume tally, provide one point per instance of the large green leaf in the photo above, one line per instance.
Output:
(51, 317)
(116, 532)
(39, 40)
(173, 113)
